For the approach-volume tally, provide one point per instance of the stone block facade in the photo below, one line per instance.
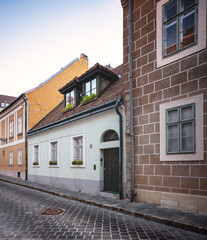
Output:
(180, 183)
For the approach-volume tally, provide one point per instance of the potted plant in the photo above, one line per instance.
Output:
(53, 162)
(88, 98)
(35, 163)
(69, 106)
(77, 162)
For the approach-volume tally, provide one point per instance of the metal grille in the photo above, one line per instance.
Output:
(110, 135)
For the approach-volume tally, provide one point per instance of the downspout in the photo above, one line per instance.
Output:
(25, 122)
(120, 101)
(131, 104)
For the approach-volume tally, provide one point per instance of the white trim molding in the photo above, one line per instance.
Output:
(201, 35)
(72, 150)
(199, 145)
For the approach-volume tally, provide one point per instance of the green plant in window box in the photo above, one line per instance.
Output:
(69, 106)
(77, 162)
(53, 162)
(87, 98)
(35, 163)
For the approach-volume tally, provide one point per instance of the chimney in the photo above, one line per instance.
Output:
(83, 56)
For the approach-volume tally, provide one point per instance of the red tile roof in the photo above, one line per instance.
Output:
(5, 98)
(114, 92)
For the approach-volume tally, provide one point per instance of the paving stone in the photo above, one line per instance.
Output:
(20, 218)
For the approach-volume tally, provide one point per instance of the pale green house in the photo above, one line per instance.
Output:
(79, 145)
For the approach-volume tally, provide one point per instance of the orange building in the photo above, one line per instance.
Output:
(25, 111)
(43, 98)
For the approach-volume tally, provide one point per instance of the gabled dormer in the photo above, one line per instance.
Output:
(71, 91)
(96, 80)
(88, 86)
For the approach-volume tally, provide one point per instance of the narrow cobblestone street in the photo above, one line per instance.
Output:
(21, 218)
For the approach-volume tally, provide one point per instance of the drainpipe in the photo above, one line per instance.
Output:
(25, 122)
(131, 104)
(119, 102)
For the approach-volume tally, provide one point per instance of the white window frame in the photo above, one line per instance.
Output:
(20, 154)
(11, 128)
(34, 160)
(201, 35)
(20, 124)
(68, 98)
(11, 158)
(50, 155)
(199, 153)
(72, 150)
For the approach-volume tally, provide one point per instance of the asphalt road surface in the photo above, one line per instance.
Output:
(23, 216)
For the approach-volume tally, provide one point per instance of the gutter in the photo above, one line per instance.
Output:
(118, 103)
(86, 113)
(26, 155)
(131, 104)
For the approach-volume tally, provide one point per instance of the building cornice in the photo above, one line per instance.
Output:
(124, 3)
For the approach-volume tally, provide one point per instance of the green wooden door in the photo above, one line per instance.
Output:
(111, 170)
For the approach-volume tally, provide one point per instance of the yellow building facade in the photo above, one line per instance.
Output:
(27, 110)
(42, 99)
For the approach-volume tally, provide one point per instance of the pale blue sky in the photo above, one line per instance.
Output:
(39, 37)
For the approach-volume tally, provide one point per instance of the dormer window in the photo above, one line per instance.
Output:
(70, 98)
(90, 87)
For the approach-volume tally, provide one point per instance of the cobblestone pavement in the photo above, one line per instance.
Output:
(20, 218)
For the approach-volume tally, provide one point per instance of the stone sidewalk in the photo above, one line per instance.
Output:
(188, 221)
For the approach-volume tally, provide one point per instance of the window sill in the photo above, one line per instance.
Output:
(77, 166)
(36, 166)
(10, 165)
(19, 164)
(19, 134)
(53, 166)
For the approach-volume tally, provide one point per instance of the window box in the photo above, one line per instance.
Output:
(77, 162)
(68, 107)
(35, 163)
(53, 162)
(88, 99)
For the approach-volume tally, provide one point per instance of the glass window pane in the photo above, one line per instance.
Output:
(78, 148)
(170, 37)
(172, 131)
(93, 86)
(67, 98)
(71, 100)
(172, 145)
(172, 115)
(54, 151)
(185, 4)
(87, 88)
(93, 83)
(187, 144)
(187, 129)
(170, 10)
(187, 28)
(187, 113)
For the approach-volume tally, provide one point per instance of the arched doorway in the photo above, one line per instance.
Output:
(111, 162)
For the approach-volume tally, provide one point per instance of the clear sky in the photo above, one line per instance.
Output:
(39, 37)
